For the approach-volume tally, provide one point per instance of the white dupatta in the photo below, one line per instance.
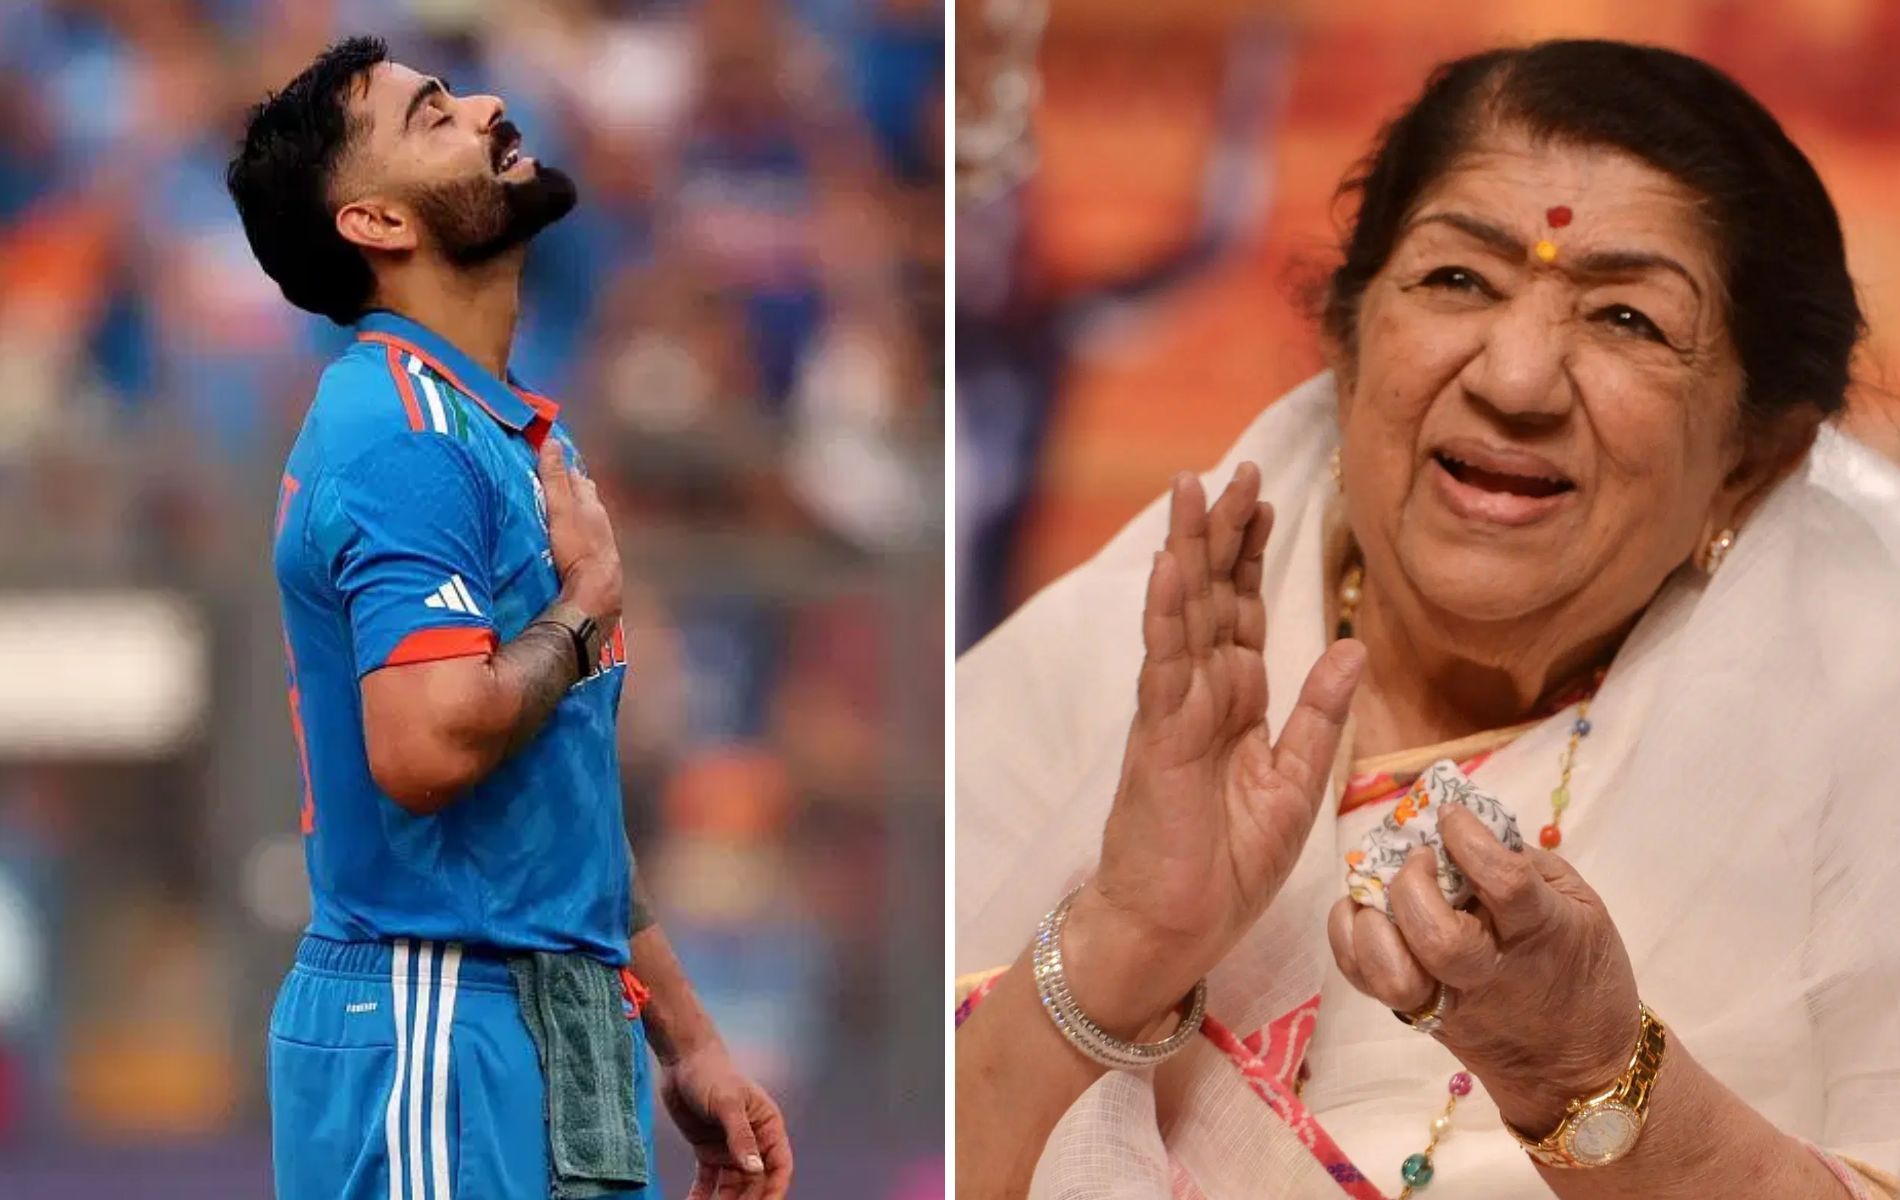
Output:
(1735, 805)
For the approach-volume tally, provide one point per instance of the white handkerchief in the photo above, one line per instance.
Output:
(1414, 823)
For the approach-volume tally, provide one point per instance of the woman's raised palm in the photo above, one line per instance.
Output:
(1211, 813)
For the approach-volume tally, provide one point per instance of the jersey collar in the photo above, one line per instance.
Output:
(505, 400)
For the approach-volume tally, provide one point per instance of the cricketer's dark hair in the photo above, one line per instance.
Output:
(280, 180)
(1791, 306)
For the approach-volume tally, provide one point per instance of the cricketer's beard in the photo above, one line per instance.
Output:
(476, 220)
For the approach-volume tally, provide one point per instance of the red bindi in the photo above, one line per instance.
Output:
(1558, 216)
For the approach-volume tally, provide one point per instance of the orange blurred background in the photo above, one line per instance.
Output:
(1124, 129)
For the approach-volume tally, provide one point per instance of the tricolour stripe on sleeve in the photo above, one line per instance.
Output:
(436, 413)
(392, 1125)
(405, 390)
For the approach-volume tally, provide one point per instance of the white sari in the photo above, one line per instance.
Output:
(1737, 805)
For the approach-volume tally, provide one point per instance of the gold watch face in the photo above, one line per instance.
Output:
(1602, 1133)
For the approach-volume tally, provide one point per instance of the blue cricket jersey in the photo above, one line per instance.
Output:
(411, 527)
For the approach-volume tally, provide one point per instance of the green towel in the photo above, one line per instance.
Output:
(576, 1015)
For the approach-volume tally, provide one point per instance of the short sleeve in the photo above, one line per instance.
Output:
(415, 536)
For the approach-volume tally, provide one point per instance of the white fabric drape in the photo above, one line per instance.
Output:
(1735, 805)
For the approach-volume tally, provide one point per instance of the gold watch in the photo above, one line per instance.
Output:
(1602, 1127)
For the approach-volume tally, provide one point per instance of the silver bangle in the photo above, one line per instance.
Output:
(1090, 1039)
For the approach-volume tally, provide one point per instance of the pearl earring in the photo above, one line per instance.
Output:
(1339, 472)
(1718, 550)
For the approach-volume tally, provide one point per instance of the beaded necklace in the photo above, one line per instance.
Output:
(1417, 1170)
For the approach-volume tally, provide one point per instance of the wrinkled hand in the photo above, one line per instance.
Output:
(736, 1131)
(1543, 998)
(580, 536)
(1211, 813)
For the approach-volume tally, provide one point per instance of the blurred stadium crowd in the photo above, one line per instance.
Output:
(743, 320)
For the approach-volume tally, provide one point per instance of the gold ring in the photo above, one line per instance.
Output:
(1429, 1018)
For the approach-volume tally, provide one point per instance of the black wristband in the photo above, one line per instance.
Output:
(582, 629)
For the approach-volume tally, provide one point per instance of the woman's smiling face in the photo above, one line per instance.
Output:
(1526, 432)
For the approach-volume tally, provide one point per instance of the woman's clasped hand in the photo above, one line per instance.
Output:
(1542, 1002)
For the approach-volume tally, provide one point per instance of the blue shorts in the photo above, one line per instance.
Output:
(413, 1055)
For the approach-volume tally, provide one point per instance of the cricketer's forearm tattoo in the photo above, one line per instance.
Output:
(641, 917)
(541, 658)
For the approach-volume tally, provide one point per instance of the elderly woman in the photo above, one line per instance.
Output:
(1570, 513)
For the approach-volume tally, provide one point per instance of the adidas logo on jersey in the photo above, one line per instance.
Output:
(453, 595)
